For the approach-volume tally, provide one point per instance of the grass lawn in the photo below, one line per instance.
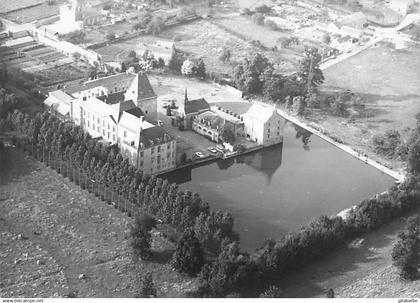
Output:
(389, 85)
(67, 232)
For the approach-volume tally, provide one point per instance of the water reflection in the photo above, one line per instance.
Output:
(273, 191)
(266, 161)
(304, 134)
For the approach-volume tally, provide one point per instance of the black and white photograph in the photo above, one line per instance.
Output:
(209, 149)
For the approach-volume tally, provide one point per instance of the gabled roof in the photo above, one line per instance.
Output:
(153, 136)
(137, 112)
(145, 89)
(195, 106)
(120, 107)
(58, 96)
(211, 119)
(132, 122)
(99, 107)
(260, 112)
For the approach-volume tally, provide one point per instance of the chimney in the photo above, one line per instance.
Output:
(185, 96)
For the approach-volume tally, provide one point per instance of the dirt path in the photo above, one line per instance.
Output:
(363, 269)
(66, 232)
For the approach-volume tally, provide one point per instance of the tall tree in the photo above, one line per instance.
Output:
(406, 252)
(148, 289)
(310, 72)
(188, 256)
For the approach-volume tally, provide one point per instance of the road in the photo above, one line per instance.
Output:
(382, 33)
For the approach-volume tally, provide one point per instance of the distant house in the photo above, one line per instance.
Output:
(263, 124)
(189, 109)
(403, 7)
(77, 14)
(350, 31)
(333, 28)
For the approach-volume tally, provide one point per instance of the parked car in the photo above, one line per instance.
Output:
(220, 148)
(212, 150)
(199, 154)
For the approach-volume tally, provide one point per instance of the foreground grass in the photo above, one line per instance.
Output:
(68, 232)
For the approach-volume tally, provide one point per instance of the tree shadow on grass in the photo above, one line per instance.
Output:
(162, 256)
(14, 163)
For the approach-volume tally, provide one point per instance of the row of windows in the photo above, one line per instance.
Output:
(159, 167)
(278, 128)
(268, 135)
(159, 162)
(159, 149)
(104, 134)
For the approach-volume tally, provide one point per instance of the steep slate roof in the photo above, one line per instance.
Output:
(120, 107)
(145, 89)
(135, 111)
(260, 112)
(195, 106)
(153, 135)
(112, 98)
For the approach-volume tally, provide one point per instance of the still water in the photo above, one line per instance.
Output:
(276, 190)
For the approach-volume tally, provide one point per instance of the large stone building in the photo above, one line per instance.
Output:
(122, 122)
(263, 124)
(117, 88)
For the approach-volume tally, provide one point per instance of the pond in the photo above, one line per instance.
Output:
(276, 190)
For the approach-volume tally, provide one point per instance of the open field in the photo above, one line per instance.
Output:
(6, 6)
(361, 270)
(34, 13)
(388, 82)
(204, 39)
(67, 232)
